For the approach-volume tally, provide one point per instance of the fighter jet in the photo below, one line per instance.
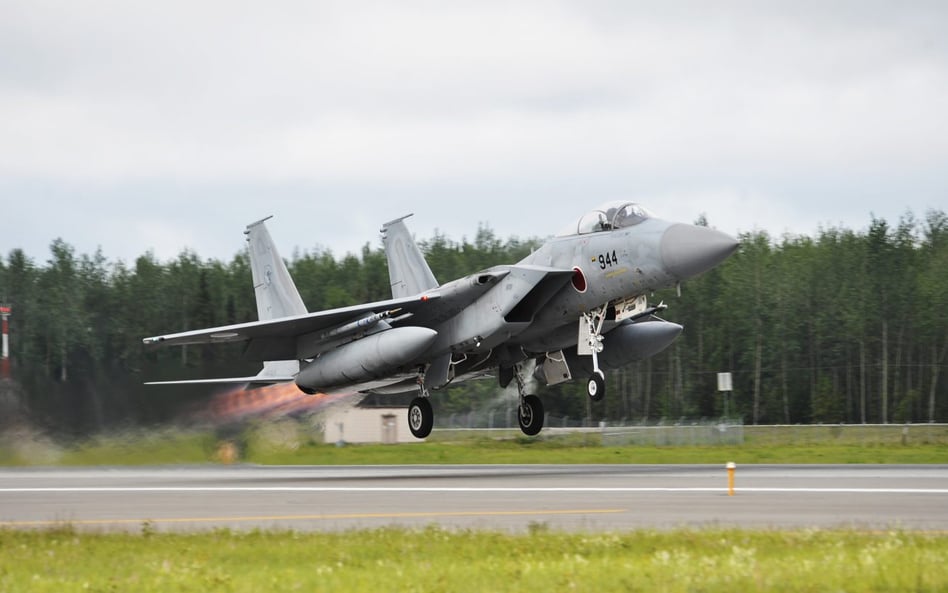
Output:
(574, 308)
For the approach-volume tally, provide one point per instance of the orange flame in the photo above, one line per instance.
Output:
(270, 401)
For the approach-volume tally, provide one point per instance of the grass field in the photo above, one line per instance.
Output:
(521, 451)
(203, 449)
(437, 560)
(772, 446)
(572, 448)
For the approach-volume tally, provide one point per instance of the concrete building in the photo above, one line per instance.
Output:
(367, 425)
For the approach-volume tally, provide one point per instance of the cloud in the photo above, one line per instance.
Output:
(502, 108)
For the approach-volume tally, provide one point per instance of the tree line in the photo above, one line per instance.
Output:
(844, 326)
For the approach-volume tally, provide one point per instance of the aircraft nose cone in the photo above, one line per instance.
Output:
(689, 250)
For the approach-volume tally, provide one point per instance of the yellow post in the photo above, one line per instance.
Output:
(730, 477)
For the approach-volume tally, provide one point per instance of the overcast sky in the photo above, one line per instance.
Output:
(167, 125)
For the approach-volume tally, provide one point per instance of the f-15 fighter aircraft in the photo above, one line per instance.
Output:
(575, 307)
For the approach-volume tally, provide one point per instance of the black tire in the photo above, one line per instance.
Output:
(596, 387)
(530, 415)
(420, 417)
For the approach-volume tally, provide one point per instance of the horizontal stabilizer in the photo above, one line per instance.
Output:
(250, 379)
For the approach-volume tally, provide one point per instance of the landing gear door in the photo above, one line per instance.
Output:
(553, 369)
(630, 307)
(582, 342)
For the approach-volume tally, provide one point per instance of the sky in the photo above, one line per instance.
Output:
(165, 126)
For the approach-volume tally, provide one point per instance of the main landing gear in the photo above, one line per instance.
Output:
(591, 329)
(420, 414)
(530, 410)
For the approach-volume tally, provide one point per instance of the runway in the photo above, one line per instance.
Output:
(506, 497)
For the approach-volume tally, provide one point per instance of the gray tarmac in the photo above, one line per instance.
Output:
(505, 497)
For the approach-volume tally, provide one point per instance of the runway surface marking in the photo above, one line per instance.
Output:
(321, 517)
(460, 489)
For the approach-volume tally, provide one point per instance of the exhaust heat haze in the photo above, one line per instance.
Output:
(271, 401)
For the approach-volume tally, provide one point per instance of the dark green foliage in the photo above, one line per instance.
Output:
(844, 326)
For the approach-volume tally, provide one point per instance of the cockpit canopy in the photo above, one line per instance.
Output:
(607, 217)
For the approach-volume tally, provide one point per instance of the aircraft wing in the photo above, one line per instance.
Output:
(305, 336)
(279, 339)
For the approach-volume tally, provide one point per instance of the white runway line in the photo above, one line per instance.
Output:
(461, 489)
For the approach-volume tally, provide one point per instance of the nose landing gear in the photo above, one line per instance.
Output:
(590, 343)
(596, 386)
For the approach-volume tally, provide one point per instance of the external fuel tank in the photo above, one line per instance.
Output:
(372, 357)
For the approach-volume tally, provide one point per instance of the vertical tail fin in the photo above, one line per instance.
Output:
(272, 285)
(274, 289)
(407, 269)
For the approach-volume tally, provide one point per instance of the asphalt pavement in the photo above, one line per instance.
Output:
(506, 497)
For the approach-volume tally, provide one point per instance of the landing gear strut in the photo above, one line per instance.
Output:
(420, 414)
(592, 330)
(530, 411)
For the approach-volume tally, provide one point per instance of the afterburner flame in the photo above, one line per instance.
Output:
(270, 401)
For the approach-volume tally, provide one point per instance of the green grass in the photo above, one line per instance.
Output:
(536, 451)
(154, 449)
(438, 560)
(287, 443)
(573, 449)
(137, 449)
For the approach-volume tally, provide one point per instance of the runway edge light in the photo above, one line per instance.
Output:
(730, 477)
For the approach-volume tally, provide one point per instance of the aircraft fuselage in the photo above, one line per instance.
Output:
(577, 304)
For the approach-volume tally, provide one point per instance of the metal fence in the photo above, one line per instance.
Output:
(696, 433)
(502, 423)
(847, 434)
(503, 418)
(607, 435)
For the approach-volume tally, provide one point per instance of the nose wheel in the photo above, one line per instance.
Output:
(596, 386)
